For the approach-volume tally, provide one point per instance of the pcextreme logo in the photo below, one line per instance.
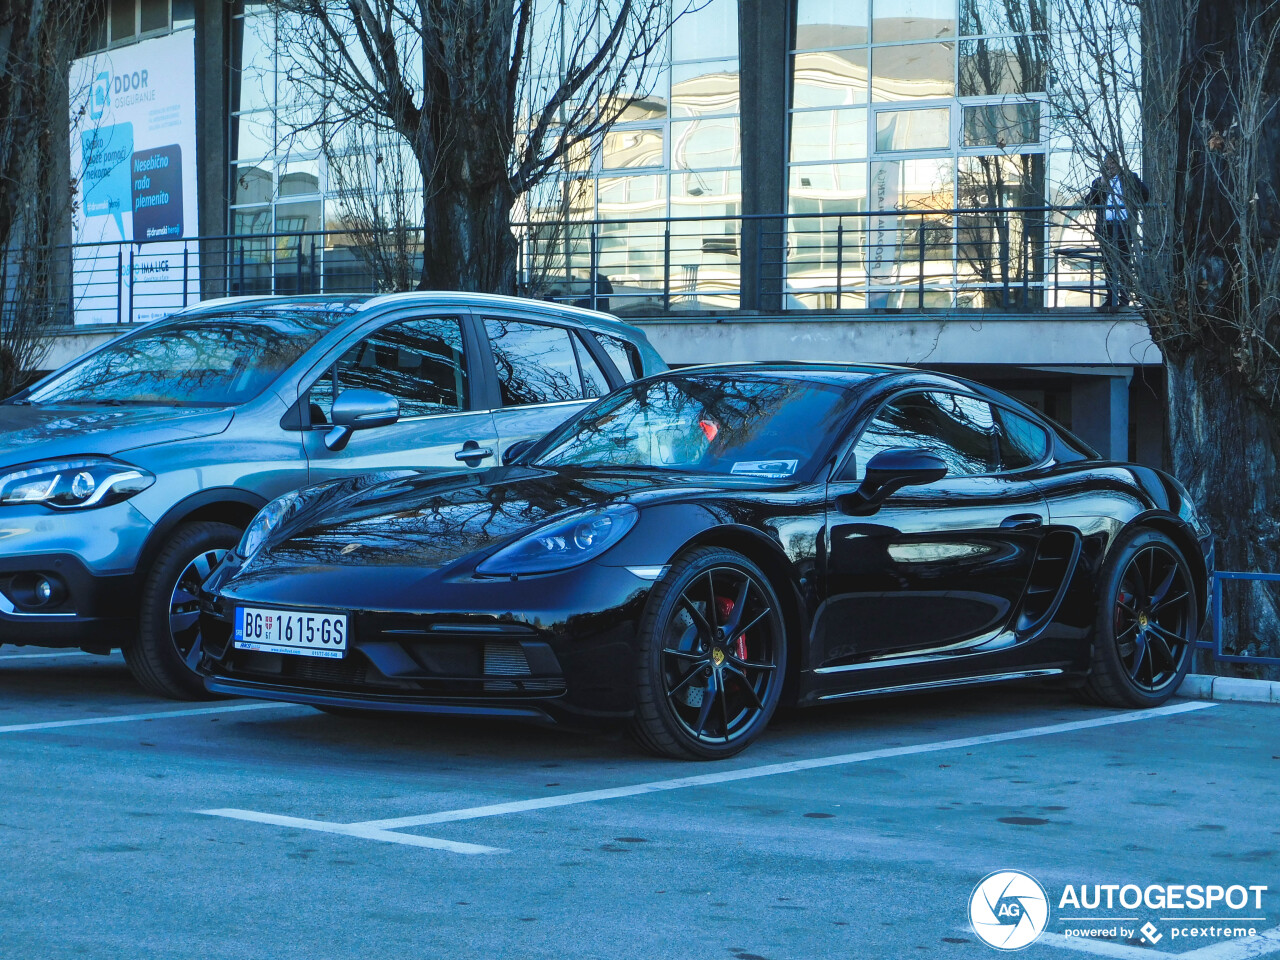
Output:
(1008, 910)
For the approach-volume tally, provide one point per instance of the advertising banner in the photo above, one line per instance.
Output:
(133, 147)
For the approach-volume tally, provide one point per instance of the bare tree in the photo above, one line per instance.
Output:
(37, 41)
(1200, 81)
(490, 97)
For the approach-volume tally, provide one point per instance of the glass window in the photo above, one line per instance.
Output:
(419, 362)
(707, 31)
(1001, 124)
(1003, 65)
(830, 23)
(704, 144)
(633, 147)
(740, 426)
(594, 382)
(536, 363)
(913, 130)
(978, 17)
(702, 89)
(913, 71)
(123, 19)
(959, 429)
(624, 355)
(154, 15)
(828, 135)
(923, 184)
(913, 20)
(840, 187)
(829, 78)
(213, 360)
(1022, 442)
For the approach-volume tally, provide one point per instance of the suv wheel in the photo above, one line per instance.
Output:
(167, 648)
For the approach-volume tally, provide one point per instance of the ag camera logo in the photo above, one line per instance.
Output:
(1008, 910)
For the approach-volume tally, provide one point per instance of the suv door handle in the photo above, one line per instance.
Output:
(1021, 521)
(475, 452)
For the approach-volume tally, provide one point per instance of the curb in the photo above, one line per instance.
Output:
(1202, 686)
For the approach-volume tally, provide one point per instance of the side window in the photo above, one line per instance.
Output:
(624, 355)
(594, 382)
(536, 363)
(419, 362)
(959, 429)
(1023, 443)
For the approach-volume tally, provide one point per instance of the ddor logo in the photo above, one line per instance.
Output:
(1008, 910)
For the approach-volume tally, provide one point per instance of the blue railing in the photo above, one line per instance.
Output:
(1216, 645)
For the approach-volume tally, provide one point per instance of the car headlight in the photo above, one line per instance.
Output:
(563, 544)
(267, 522)
(74, 484)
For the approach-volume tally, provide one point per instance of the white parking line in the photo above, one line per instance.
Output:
(382, 827)
(51, 656)
(130, 717)
(358, 830)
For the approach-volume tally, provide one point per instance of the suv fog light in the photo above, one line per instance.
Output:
(44, 591)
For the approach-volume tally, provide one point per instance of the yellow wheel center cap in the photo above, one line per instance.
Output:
(717, 656)
(1142, 620)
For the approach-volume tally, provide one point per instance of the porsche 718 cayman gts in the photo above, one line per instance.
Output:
(700, 546)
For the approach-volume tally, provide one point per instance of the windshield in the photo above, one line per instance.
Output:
(743, 425)
(204, 360)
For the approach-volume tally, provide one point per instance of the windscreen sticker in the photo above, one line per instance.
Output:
(773, 469)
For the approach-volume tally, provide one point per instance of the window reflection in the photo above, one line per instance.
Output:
(829, 135)
(536, 363)
(829, 78)
(913, 20)
(979, 17)
(1003, 65)
(913, 130)
(959, 429)
(701, 89)
(912, 71)
(633, 147)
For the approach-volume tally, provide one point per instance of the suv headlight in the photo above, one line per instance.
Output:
(563, 544)
(81, 483)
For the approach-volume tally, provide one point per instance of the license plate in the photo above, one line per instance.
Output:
(291, 631)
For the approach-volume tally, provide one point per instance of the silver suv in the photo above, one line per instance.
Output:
(127, 474)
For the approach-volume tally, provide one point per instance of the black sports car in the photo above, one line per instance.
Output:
(701, 545)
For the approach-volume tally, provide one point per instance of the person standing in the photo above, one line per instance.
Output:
(1111, 195)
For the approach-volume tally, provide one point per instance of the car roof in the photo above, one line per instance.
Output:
(844, 374)
(427, 298)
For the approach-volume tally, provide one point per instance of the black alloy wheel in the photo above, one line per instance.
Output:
(712, 657)
(1147, 623)
(163, 658)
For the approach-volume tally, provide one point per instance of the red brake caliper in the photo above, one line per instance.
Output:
(724, 608)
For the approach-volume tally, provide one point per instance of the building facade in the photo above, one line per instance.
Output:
(873, 180)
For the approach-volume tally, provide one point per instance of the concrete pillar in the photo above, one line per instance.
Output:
(1100, 414)
(763, 42)
(213, 174)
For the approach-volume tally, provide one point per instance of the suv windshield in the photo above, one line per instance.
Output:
(744, 425)
(205, 360)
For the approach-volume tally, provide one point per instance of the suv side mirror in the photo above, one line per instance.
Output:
(359, 409)
(888, 472)
(517, 450)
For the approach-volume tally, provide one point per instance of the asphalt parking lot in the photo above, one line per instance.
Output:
(858, 831)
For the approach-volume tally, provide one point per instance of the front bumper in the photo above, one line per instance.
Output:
(90, 557)
(540, 648)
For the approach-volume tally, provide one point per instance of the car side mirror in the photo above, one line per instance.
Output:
(888, 472)
(517, 450)
(359, 409)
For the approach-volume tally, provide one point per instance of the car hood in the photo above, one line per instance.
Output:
(426, 524)
(49, 432)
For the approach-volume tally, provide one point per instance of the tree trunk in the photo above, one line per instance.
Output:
(1224, 445)
(469, 244)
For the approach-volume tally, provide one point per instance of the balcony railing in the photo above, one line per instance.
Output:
(1017, 259)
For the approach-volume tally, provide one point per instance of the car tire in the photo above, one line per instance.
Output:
(1144, 638)
(681, 651)
(168, 624)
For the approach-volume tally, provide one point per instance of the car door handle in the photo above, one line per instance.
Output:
(473, 453)
(1021, 521)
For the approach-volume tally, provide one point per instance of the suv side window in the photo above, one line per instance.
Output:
(1023, 443)
(624, 355)
(957, 428)
(419, 362)
(536, 363)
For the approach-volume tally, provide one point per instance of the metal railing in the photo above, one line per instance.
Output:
(999, 258)
(1217, 645)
